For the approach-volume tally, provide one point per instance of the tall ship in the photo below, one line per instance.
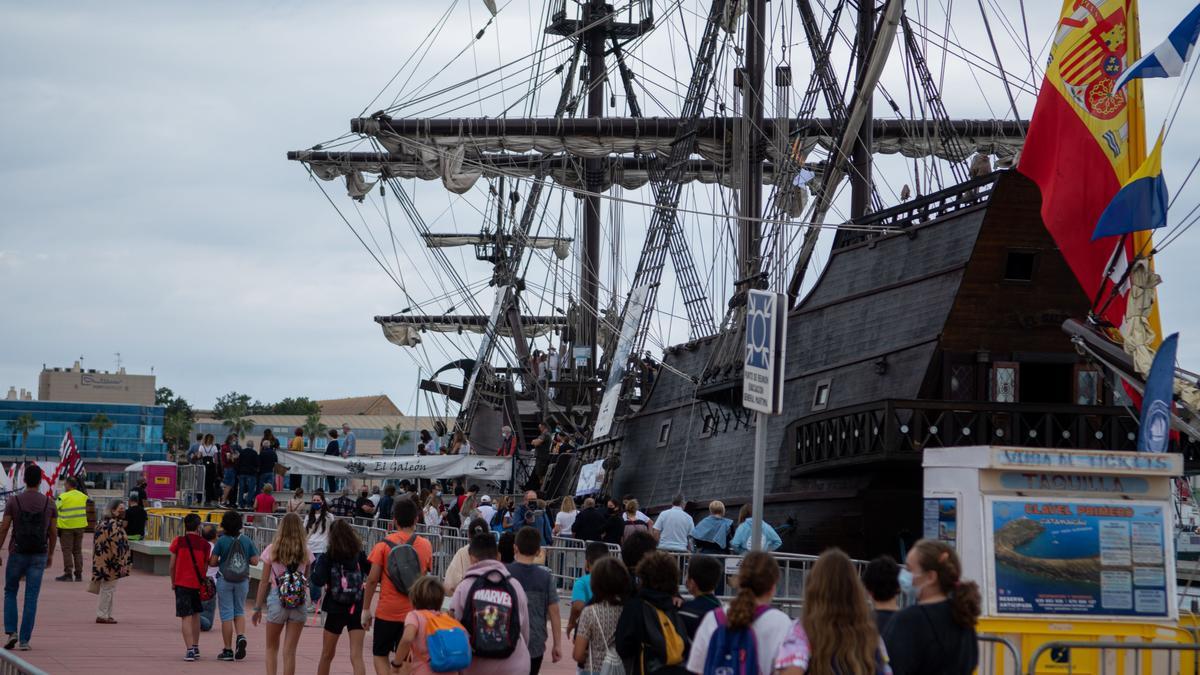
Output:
(596, 200)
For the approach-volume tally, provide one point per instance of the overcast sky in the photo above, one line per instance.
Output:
(148, 209)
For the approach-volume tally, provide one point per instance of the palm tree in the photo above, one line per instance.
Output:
(22, 425)
(393, 437)
(100, 423)
(313, 427)
(239, 425)
(176, 429)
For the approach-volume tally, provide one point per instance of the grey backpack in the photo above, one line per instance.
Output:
(404, 565)
(236, 566)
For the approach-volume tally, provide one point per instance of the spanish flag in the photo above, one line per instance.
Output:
(1086, 140)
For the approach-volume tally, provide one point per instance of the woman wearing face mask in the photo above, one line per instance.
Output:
(937, 635)
(317, 528)
(110, 558)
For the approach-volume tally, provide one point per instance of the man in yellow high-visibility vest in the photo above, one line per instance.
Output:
(72, 521)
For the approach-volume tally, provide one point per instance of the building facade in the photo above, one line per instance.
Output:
(93, 386)
(135, 434)
(369, 430)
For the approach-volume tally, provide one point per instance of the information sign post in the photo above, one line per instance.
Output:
(762, 384)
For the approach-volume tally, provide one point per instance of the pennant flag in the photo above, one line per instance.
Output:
(1141, 204)
(1086, 139)
(1155, 430)
(1168, 58)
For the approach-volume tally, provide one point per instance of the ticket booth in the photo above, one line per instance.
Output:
(1066, 545)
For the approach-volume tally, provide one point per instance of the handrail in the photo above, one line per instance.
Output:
(1115, 646)
(11, 664)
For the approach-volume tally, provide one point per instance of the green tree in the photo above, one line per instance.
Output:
(163, 396)
(100, 423)
(235, 416)
(177, 429)
(230, 405)
(393, 437)
(22, 426)
(301, 405)
(313, 427)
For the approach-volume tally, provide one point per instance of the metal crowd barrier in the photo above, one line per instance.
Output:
(997, 656)
(566, 558)
(11, 664)
(1116, 657)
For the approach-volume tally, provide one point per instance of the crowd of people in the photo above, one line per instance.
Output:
(626, 609)
(497, 608)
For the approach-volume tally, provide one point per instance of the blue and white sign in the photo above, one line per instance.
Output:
(766, 333)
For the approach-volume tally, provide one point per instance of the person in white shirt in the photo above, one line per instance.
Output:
(486, 510)
(674, 528)
(757, 579)
(565, 520)
(433, 516)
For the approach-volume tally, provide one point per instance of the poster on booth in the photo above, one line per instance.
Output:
(1081, 557)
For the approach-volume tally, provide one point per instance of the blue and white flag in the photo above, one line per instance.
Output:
(1155, 431)
(1168, 58)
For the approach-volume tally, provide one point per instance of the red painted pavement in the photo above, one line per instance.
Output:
(67, 640)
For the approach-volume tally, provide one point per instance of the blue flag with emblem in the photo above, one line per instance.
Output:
(1168, 58)
(1155, 430)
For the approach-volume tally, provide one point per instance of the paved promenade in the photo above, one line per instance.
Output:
(68, 641)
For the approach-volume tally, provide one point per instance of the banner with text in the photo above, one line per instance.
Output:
(1082, 557)
(431, 466)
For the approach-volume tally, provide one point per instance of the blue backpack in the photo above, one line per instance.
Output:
(447, 643)
(732, 652)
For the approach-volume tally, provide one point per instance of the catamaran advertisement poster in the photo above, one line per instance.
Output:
(1091, 557)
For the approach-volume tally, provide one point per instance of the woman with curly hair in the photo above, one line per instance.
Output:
(837, 634)
(110, 558)
(651, 637)
(936, 635)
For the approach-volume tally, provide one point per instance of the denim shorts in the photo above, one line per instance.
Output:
(231, 598)
(277, 613)
(229, 478)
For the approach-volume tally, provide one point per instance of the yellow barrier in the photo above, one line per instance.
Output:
(1028, 635)
(209, 515)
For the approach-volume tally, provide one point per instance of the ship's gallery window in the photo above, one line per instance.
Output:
(1018, 265)
(1088, 388)
(821, 395)
(1005, 375)
(664, 433)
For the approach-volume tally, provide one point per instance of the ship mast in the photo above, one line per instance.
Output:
(750, 195)
(860, 160)
(589, 282)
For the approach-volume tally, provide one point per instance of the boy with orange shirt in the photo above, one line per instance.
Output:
(394, 606)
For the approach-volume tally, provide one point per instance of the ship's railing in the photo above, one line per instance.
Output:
(898, 429)
(923, 209)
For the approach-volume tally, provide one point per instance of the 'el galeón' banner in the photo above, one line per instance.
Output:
(421, 466)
